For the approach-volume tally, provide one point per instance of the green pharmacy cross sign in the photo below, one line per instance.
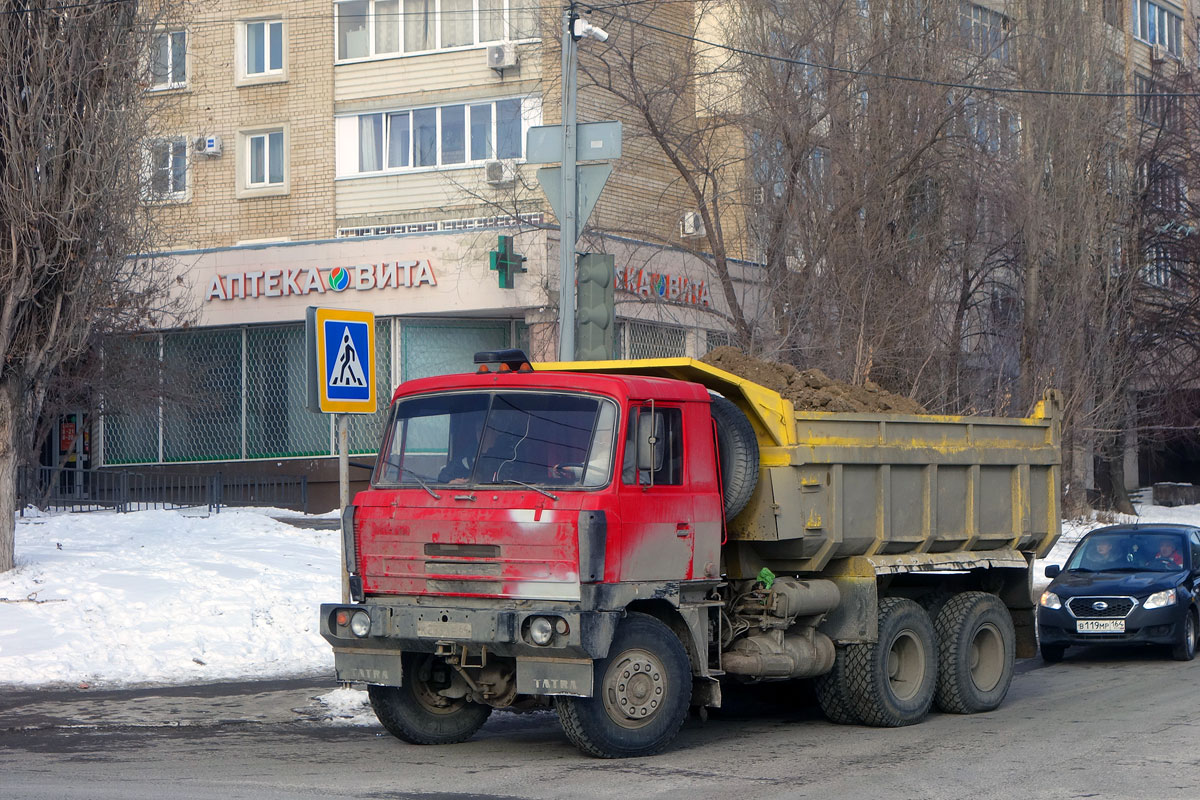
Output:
(506, 262)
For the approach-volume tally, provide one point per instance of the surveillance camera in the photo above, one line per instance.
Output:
(584, 28)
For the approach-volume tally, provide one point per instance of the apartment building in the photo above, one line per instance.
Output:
(367, 154)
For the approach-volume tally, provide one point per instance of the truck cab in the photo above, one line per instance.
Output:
(514, 518)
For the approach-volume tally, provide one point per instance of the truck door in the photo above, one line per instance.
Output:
(656, 501)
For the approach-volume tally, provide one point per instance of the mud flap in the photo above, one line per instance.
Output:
(355, 666)
(555, 676)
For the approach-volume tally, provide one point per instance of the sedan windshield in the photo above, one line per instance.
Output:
(515, 438)
(1106, 552)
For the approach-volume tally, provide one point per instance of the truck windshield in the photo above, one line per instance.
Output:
(498, 438)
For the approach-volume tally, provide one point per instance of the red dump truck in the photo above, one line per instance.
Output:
(618, 538)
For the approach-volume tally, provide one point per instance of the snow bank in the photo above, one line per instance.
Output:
(112, 599)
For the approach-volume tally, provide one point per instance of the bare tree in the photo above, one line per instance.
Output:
(71, 138)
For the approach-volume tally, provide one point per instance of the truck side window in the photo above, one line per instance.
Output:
(653, 447)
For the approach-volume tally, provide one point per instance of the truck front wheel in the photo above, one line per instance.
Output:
(417, 714)
(891, 681)
(640, 694)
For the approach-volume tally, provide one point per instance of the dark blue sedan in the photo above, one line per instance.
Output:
(1125, 585)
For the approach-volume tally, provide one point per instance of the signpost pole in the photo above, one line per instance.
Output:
(343, 437)
(568, 231)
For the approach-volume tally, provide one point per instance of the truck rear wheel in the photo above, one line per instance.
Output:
(891, 681)
(417, 714)
(832, 695)
(737, 453)
(641, 693)
(976, 648)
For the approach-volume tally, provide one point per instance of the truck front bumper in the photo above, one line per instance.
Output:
(562, 663)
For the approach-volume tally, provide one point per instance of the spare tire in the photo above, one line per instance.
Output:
(737, 453)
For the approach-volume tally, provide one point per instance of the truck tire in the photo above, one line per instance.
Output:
(737, 454)
(976, 652)
(640, 694)
(832, 695)
(416, 714)
(890, 682)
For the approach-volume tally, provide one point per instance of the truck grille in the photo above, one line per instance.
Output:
(1101, 607)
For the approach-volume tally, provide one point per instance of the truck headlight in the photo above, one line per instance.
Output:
(541, 630)
(1160, 599)
(1050, 600)
(360, 623)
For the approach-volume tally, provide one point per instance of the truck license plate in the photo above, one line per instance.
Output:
(436, 629)
(1099, 626)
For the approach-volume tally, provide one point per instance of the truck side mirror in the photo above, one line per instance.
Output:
(651, 447)
(1053, 570)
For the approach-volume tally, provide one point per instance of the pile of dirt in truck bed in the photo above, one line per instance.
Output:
(811, 389)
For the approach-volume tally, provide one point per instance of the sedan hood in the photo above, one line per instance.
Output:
(1135, 584)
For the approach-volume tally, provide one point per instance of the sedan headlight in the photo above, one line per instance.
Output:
(1050, 600)
(1160, 599)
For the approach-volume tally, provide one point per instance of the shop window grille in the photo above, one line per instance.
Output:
(648, 340)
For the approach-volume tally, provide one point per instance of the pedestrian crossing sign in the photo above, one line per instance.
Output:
(341, 355)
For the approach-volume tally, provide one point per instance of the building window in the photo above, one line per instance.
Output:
(992, 127)
(262, 47)
(1155, 106)
(168, 165)
(1157, 269)
(231, 394)
(650, 340)
(441, 136)
(1112, 13)
(262, 161)
(168, 60)
(381, 28)
(984, 31)
(1155, 24)
(1164, 186)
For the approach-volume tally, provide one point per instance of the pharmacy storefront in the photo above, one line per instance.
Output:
(234, 385)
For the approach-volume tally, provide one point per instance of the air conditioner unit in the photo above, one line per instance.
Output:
(502, 56)
(1158, 54)
(692, 224)
(208, 145)
(498, 173)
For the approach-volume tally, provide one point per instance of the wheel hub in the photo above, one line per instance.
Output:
(634, 688)
(986, 657)
(906, 665)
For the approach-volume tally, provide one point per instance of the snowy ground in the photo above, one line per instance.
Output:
(156, 597)
(174, 597)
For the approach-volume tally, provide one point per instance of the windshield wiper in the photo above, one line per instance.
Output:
(531, 486)
(424, 485)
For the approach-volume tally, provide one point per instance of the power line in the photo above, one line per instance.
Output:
(893, 76)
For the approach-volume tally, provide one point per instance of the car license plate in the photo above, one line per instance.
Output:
(1099, 626)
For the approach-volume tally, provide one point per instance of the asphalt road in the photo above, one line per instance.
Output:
(1114, 724)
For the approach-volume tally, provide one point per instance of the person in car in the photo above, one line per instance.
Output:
(1167, 552)
(1101, 555)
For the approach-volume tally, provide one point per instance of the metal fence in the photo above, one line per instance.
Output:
(128, 490)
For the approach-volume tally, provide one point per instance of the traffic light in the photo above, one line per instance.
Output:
(506, 262)
(595, 321)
